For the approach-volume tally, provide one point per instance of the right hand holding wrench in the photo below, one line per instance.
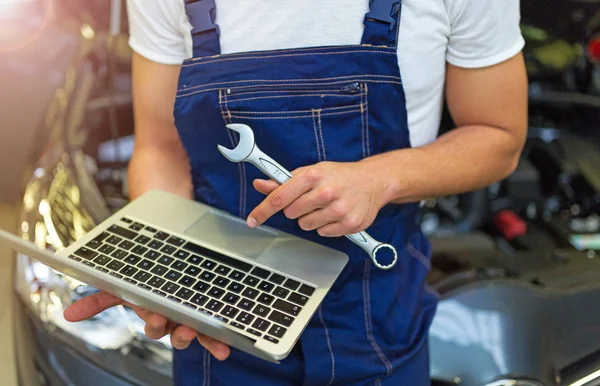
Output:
(248, 151)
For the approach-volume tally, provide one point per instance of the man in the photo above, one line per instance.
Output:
(352, 103)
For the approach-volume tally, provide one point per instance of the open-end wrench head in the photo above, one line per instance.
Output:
(244, 147)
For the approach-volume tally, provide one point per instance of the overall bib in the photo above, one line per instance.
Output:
(341, 104)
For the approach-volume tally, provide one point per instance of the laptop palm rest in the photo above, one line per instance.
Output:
(231, 234)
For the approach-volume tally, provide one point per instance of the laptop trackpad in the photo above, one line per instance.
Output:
(230, 234)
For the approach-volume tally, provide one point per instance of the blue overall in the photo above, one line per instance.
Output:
(308, 105)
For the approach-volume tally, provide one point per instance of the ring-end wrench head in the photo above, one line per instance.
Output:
(379, 248)
(245, 145)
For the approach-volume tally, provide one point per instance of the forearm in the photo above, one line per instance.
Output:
(465, 159)
(158, 168)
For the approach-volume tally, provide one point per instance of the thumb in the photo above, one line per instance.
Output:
(90, 306)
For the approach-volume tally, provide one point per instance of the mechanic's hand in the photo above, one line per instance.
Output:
(156, 326)
(334, 198)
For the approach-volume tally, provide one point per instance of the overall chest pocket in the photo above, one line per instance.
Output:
(302, 124)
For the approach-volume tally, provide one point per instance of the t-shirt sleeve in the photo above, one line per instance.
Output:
(154, 30)
(483, 32)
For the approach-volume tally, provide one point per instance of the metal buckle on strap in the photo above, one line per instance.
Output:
(202, 15)
(383, 11)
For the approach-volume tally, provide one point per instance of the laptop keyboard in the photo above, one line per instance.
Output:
(248, 298)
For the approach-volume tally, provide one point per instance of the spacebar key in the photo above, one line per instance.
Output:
(218, 257)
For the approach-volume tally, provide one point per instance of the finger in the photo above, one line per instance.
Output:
(182, 336)
(280, 198)
(316, 220)
(265, 186)
(312, 201)
(156, 326)
(219, 350)
(90, 306)
(347, 226)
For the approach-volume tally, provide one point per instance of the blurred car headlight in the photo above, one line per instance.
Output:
(54, 215)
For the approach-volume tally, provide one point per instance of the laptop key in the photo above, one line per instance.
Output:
(236, 275)
(306, 290)
(155, 244)
(129, 280)
(173, 298)
(132, 259)
(126, 233)
(119, 254)
(86, 253)
(159, 270)
(229, 311)
(106, 249)
(254, 332)
(277, 331)
(102, 260)
(180, 254)
(187, 281)
(142, 276)
(152, 255)
(199, 299)
(128, 270)
(261, 310)
(161, 235)
(266, 299)
(201, 286)
(94, 244)
(191, 270)
(146, 264)
(136, 226)
(170, 288)
(297, 298)
(114, 240)
(190, 305)
(115, 265)
(150, 229)
(281, 318)
(102, 269)
(245, 318)
(73, 257)
(144, 286)
(116, 275)
(173, 275)
(89, 263)
(165, 260)
(260, 272)
(126, 220)
(141, 239)
(214, 305)
(161, 293)
(216, 292)
(271, 339)
(126, 245)
(195, 259)
(238, 325)
(185, 293)
(139, 250)
(291, 284)
(179, 265)
(208, 276)
(168, 249)
(276, 278)
(231, 298)
(222, 319)
(175, 241)
(250, 293)
(286, 307)
(246, 304)
(207, 264)
(251, 281)
(156, 282)
(242, 266)
(102, 236)
(221, 282)
(261, 324)
(266, 286)
(236, 287)
(223, 270)
(281, 292)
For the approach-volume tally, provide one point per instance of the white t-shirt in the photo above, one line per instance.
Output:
(465, 33)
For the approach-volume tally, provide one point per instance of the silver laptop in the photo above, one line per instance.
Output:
(254, 289)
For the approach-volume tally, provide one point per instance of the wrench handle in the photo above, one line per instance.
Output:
(269, 166)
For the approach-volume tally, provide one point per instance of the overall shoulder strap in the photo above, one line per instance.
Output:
(205, 33)
(382, 23)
